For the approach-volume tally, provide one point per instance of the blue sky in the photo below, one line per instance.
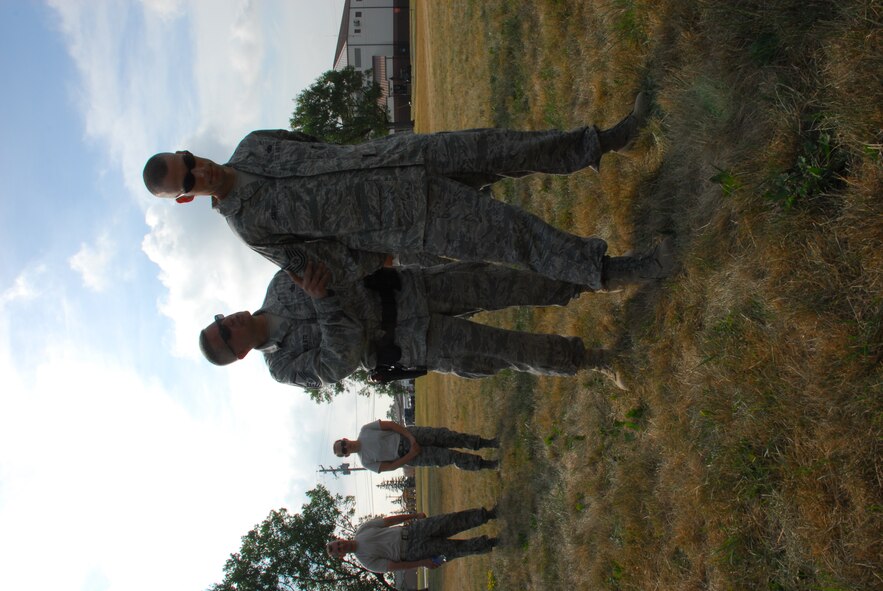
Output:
(120, 448)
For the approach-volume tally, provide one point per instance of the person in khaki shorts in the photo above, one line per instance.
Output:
(383, 446)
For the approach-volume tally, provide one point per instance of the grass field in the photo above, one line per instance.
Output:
(747, 452)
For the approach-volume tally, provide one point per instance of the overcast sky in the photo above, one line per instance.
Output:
(127, 462)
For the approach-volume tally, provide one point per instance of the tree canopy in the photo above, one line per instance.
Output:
(359, 383)
(341, 107)
(286, 552)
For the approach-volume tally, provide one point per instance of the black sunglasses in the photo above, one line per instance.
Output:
(189, 179)
(343, 448)
(223, 330)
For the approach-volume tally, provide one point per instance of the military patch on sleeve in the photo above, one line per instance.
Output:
(297, 261)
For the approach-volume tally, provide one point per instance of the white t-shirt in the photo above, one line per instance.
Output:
(377, 544)
(377, 446)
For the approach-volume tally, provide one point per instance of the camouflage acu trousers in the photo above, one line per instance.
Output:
(478, 157)
(429, 537)
(467, 225)
(471, 350)
(464, 224)
(435, 444)
(462, 289)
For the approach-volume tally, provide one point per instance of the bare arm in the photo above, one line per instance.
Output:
(397, 519)
(412, 452)
(400, 429)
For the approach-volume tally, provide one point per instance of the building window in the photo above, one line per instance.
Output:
(358, 13)
(357, 31)
(357, 57)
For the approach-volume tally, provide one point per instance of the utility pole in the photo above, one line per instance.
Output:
(343, 469)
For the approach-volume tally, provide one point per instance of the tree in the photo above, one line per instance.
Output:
(398, 484)
(341, 108)
(356, 382)
(286, 552)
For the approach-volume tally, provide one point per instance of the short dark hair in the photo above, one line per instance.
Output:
(222, 357)
(155, 172)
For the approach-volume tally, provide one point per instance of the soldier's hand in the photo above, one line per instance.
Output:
(314, 281)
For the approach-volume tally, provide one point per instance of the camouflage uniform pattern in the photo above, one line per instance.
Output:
(426, 538)
(463, 289)
(471, 350)
(479, 157)
(435, 448)
(350, 206)
(465, 224)
(348, 220)
(326, 340)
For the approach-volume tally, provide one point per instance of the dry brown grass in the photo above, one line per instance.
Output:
(747, 453)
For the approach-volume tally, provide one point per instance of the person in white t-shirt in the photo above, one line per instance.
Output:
(383, 545)
(385, 445)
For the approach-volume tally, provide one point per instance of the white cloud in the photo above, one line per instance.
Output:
(204, 268)
(122, 474)
(165, 9)
(25, 287)
(93, 263)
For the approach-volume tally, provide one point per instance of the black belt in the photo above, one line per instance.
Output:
(386, 282)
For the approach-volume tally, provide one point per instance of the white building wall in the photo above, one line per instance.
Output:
(370, 32)
(356, 4)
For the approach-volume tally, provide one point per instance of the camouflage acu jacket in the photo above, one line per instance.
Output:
(346, 206)
(326, 340)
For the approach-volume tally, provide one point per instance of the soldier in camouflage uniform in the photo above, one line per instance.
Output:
(353, 208)
(381, 545)
(311, 336)
(383, 446)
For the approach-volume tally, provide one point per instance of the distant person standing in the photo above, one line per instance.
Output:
(382, 545)
(383, 446)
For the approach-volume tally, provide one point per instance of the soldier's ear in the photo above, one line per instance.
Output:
(184, 198)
